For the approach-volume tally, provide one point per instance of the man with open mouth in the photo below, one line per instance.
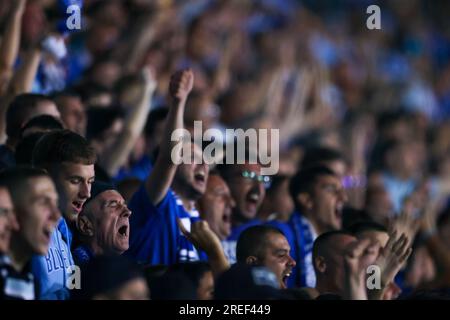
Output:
(247, 187)
(35, 203)
(266, 246)
(319, 198)
(70, 161)
(103, 224)
(170, 191)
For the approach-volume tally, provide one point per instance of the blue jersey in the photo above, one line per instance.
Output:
(300, 235)
(229, 245)
(53, 270)
(155, 237)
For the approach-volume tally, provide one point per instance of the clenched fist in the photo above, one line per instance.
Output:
(181, 84)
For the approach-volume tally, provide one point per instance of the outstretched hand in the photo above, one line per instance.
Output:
(393, 257)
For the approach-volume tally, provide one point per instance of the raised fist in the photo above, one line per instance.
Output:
(181, 84)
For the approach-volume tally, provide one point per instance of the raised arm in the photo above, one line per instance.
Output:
(9, 46)
(160, 179)
(134, 124)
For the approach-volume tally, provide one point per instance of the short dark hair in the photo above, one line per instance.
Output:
(19, 109)
(16, 179)
(315, 156)
(322, 242)
(45, 122)
(62, 146)
(304, 180)
(24, 149)
(253, 240)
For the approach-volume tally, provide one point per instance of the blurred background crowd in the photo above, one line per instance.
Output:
(373, 103)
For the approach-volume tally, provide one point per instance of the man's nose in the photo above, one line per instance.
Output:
(85, 190)
(291, 262)
(125, 212)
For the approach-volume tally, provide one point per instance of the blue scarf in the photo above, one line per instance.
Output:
(304, 239)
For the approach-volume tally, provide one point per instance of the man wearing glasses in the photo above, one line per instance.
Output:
(319, 199)
(248, 189)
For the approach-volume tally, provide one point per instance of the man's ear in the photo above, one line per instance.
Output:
(305, 200)
(84, 226)
(252, 261)
(320, 264)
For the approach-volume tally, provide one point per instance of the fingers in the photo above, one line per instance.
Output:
(406, 255)
(399, 243)
(391, 240)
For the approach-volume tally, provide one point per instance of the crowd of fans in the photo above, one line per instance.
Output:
(93, 204)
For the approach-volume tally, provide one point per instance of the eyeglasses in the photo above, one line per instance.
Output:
(256, 177)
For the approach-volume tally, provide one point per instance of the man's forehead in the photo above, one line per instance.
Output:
(340, 242)
(76, 168)
(41, 185)
(328, 179)
(215, 181)
(278, 241)
(110, 195)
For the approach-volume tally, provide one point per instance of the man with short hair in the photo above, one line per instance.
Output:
(216, 206)
(103, 224)
(328, 261)
(21, 109)
(341, 261)
(36, 207)
(266, 246)
(247, 187)
(319, 198)
(170, 191)
(70, 161)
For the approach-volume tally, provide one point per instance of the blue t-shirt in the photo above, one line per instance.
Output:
(52, 271)
(229, 245)
(155, 237)
(301, 236)
(140, 170)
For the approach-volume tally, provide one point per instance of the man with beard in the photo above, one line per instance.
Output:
(170, 192)
(69, 160)
(319, 198)
(103, 224)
